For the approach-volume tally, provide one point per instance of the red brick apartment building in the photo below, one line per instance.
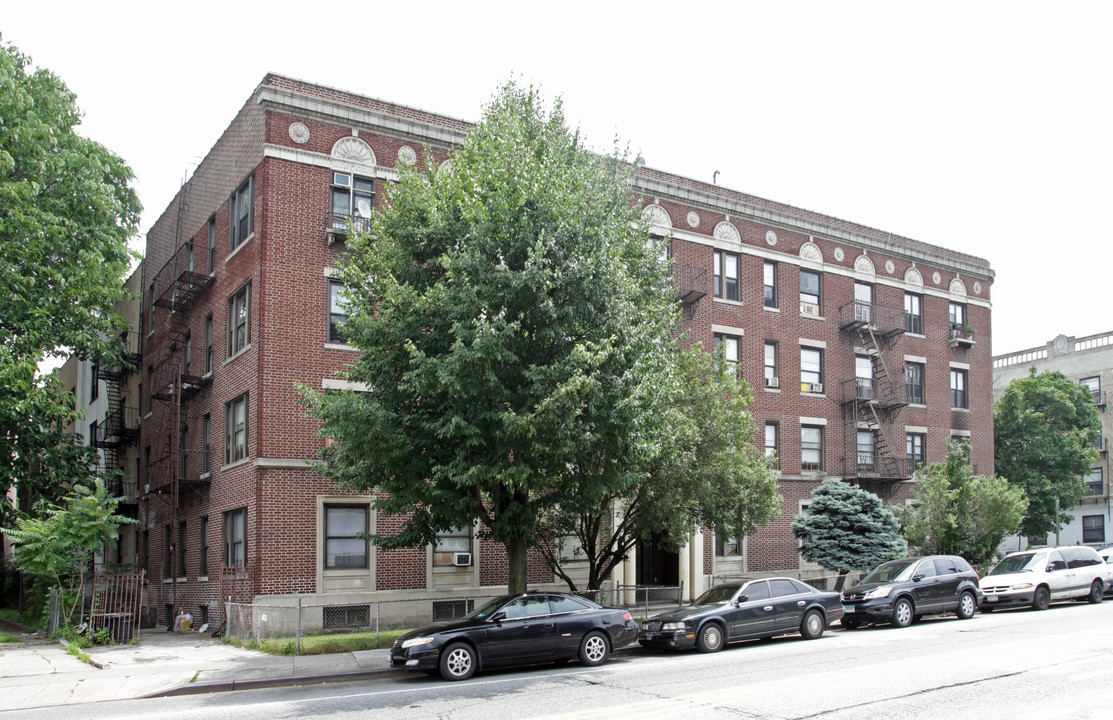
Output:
(867, 352)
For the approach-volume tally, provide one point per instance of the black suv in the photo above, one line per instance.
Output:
(901, 591)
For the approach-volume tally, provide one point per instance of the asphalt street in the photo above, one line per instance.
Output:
(1020, 664)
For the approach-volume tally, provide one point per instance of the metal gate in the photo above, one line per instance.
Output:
(117, 605)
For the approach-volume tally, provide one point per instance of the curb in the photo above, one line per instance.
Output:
(293, 680)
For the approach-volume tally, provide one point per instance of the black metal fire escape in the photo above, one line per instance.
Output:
(120, 426)
(873, 403)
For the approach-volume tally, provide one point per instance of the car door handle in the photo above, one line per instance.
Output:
(768, 608)
(800, 603)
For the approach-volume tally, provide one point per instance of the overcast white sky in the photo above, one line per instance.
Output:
(980, 126)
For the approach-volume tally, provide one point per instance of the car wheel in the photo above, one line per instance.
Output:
(710, 638)
(594, 649)
(902, 613)
(457, 662)
(1041, 599)
(850, 623)
(1095, 593)
(813, 625)
(966, 606)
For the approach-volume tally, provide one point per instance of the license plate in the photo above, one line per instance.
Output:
(991, 598)
(848, 608)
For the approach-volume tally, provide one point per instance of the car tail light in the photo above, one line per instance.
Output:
(627, 616)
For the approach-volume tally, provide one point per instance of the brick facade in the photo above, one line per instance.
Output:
(287, 141)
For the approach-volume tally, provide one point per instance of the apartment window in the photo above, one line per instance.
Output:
(1095, 481)
(957, 316)
(865, 450)
(914, 382)
(203, 567)
(917, 453)
(811, 369)
(181, 549)
(659, 246)
(729, 346)
(206, 442)
(150, 387)
(811, 447)
(211, 257)
(726, 275)
(769, 288)
(772, 379)
(94, 384)
(337, 310)
(1093, 528)
(449, 542)
(727, 546)
(344, 527)
(208, 344)
(1093, 384)
(570, 549)
(183, 451)
(187, 363)
(235, 538)
(151, 306)
(810, 293)
(958, 389)
(239, 320)
(235, 436)
(863, 376)
(242, 214)
(914, 313)
(168, 554)
(352, 197)
(772, 446)
(863, 302)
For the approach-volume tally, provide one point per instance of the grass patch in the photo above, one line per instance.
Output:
(320, 644)
(78, 653)
(6, 638)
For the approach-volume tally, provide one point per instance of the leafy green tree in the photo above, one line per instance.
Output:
(66, 211)
(845, 528)
(960, 513)
(57, 544)
(511, 318)
(705, 471)
(1045, 428)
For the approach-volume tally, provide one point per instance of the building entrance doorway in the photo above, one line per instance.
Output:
(656, 565)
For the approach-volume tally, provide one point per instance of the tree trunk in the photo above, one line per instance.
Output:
(517, 550)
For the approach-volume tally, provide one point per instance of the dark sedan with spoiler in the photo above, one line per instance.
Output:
(759, 608)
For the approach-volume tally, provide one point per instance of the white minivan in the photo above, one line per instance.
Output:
(1036, 578)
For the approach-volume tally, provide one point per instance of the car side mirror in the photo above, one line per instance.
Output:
(498, 617)
(740, 599)
(918, 578)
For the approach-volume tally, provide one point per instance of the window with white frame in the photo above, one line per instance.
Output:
(866, 456)
(956, 313)
(772, 442)
(449, 542)
(727, 546)
(570, 549)
(239, 320)
(242, 214)
(211, 251)
(235, 424)
(915, 448)
(1093, 384)
(811, 447)
(914, 382)
(352, 198)
(726, 275)
(863, 302)
(345, 541)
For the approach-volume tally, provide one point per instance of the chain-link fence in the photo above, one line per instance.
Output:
(305, 627)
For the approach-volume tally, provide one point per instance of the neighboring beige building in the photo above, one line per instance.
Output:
(1089, 361)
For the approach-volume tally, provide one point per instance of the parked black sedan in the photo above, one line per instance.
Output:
(759, 608)
(533, 627)
(901, 591)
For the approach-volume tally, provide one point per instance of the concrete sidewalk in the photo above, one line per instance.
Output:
(39, 674)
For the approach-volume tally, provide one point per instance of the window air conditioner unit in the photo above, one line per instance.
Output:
(772, 382)
(461, 559)
(815, 387)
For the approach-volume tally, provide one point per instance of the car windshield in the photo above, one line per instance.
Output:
(892, 571)
(1015, 563)
(487, 609)
(717, 595)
